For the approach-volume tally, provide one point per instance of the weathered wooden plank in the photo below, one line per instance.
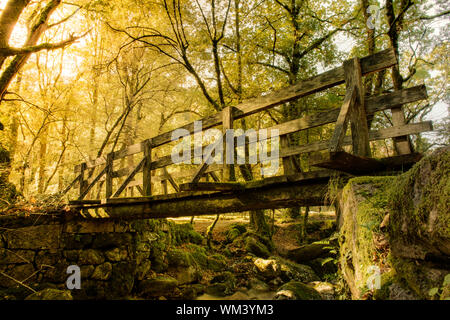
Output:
(82, 184)
(146, 169)
(202, 168)
(140, 189)
(72, 184)
(91, 164)
(130, 150)
(171, 180)
(402, 162)
(89, 187)
(360, 130)
(291, 195)
(342, 121)
(130, 177)
(346, 162)
(386, 133)
(228, 153)
(211, 186)
(164, 186)
(213, 175)
(109, 177)
(389, 100)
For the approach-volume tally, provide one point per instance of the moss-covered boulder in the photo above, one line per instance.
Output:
(364, 205)
(51, 294)
(419, 222)
(158, 286)
(295, 290)
(395, 233)
(235, 230)
(286, 270)
(222, 285)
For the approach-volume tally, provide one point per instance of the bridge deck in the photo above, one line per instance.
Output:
(206, 198)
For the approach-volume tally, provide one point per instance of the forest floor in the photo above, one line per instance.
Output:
(285, 237)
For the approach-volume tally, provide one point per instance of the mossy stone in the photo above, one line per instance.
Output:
(295, 290)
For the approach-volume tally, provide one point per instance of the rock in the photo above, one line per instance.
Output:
(17, 256)
(45, 257)
(258, 285)
(34, 237)
(397, 228)
(90, 256)
(222, 285)
(363, 206)
(217, 262)
(267, 268)
(103, 271)
(159, 286)
(18, 272)
(256, 247)
(51, 294)
(143, 270)
(419, 221)
(308, 252)
(285, 269)
(71, 255)
(397, 292)
(185, 275)
(86, 271)
(295, 290)
(236, 229)
(111, 240)
(325, 289)
(116, 254)
(76, 241)
(199, 255)
(179, 258)
(122, 279)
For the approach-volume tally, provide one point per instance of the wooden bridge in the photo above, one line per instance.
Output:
(107, 184)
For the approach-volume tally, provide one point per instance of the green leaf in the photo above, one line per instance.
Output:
(433, 292)
(324, 261)
(446, 280)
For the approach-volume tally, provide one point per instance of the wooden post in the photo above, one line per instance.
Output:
(288, 166)
(83, 168)
(109, 175)
(227, 123)
(401, 144)
(146, 170)
(164, 186)
(358, 118)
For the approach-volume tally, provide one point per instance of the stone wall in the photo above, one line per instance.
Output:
(118, 260)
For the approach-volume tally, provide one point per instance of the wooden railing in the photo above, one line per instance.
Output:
(355, 111)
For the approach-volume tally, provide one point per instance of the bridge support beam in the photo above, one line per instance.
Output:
(273, 197)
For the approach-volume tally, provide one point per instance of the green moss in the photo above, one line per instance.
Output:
(217, 262)
(199, 254)
(387, 279)
(301, 291)
(185, 233)
(366, 199)
(423, 190)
